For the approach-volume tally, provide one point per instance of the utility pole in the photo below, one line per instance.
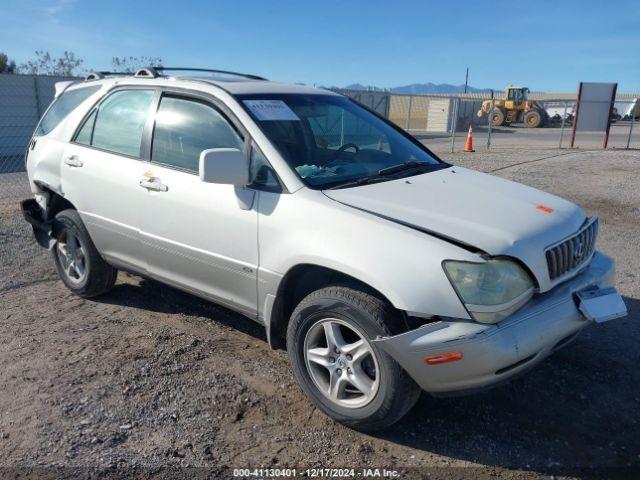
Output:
(466, 80)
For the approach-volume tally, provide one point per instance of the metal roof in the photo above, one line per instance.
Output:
(234, 85)
(247, 87)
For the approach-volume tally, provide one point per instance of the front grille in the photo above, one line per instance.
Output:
(572, 253)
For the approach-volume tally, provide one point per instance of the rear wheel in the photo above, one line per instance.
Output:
(79, 265)
(340, 369)
(497, 119)
(532, 119)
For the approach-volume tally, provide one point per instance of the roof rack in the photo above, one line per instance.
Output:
(147, 72)
(153, 72)
(100, 75)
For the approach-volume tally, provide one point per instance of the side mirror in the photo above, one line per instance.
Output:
(224, 165)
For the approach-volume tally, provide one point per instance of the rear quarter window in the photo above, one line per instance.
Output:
(63, 106)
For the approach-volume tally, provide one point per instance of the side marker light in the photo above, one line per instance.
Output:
(440, 358)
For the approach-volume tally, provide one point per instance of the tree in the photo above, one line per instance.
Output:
(6, 65)
(133, 64)
(45, 64)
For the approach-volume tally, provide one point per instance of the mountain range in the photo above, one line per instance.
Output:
(421, 88)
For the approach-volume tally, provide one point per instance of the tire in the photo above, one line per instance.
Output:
(498, 117)
(354, 314)
(79, 265)
(532, 119)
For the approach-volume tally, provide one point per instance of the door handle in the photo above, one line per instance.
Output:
(152, 185)
(73, 161)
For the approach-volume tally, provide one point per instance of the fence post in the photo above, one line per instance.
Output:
(611, 105)
(493, 103)
(564, 116)
(36, 93)
(454, 123)
(633, 117)
(409, 112)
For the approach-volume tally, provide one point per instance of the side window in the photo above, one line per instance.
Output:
(86, 132)
(261, 174)
(63, 106)
(184, 128)
(120, 122)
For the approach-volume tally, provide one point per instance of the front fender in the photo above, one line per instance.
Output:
(401, 263)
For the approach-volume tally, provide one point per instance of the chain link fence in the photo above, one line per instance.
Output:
(23, 100)
(442, 121)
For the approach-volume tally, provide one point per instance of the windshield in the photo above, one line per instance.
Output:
(331, 141)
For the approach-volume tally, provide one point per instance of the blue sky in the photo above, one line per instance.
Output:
(548, 46)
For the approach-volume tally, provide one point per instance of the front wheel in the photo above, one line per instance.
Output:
(340, 369)
(497, 119)
(532, 119)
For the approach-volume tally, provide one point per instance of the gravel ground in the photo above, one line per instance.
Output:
(148, 377)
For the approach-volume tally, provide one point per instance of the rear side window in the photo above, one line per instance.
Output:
(119, 122)
(63, 106)
(184, 128)
(86, 132)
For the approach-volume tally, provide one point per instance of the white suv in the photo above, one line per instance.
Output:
(380, 268)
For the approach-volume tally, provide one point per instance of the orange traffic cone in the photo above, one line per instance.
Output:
(468, 146)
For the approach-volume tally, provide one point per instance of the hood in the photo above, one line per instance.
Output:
(494, 215)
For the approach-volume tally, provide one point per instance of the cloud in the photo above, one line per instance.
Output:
(52, 12)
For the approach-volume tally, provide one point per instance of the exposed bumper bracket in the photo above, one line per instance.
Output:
(42, 227)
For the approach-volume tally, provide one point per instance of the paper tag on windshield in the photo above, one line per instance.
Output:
(271, 110)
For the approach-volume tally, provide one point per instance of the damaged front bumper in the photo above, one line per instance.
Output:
(494, 353)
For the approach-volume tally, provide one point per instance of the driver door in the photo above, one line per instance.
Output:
(510, 103)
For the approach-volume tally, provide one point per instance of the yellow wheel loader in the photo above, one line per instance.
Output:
(515, 107)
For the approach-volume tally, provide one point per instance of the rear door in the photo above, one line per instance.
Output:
(45, 150)
(202, 237)
(101, 173)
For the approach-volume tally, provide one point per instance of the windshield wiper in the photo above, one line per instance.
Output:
(411, 164)
(385, 174)
(362, 181)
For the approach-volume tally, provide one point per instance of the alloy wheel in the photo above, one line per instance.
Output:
(72, 257)
(341, 363)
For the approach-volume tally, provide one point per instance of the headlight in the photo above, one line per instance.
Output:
(492, 290)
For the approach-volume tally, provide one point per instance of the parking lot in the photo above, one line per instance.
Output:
(148, 376)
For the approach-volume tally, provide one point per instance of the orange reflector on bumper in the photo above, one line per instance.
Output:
(439, 358)
(544, 208)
